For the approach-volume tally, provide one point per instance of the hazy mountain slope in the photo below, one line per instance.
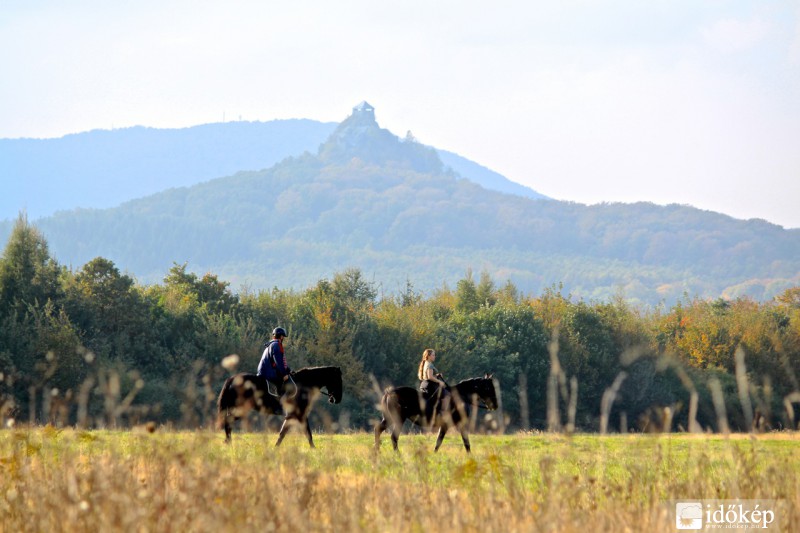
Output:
(485, 177)
(102, 168)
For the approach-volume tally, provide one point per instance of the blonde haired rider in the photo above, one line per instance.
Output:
(432, 386)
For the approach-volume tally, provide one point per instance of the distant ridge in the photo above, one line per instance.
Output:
(104, 168)
(487, 178)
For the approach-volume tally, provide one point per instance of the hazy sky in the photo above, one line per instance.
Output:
(688, 101)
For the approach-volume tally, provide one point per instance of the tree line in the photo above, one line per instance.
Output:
(92, 347)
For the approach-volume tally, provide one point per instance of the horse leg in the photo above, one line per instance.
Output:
(228, 429)
(284, 430)
(223, 421)
(429, 414)
(397, 425)
(308, 433)
(440, 436)
(465, 439)
(380, 427)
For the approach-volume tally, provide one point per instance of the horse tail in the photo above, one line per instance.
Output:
(227, 396)
(385, 399)
(390, 405)
(384, 402)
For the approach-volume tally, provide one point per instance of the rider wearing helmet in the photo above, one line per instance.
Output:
(273, 366)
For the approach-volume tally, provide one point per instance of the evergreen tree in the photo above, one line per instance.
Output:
(28, 275)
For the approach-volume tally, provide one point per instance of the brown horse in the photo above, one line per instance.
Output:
(244, 392)
(405, 403)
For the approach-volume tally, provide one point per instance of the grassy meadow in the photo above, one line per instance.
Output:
(71, 480)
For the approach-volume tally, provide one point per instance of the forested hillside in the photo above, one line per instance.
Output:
(92, 347)
(391, 208)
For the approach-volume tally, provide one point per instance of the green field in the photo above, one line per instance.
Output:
(70, 480)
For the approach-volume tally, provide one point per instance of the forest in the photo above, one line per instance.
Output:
(92, 347)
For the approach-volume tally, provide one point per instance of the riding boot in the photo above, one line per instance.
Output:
(434, 405)
(430, 406)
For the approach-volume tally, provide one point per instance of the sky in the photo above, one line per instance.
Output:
(668, 101)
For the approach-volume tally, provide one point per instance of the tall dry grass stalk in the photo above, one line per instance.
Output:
(787, 403)
(608, 400)
(694, 398)
(557, 382)
(524, 415)
(572, 407)
(743, 386)
(719, 406)
(500, 416)
(553, 416)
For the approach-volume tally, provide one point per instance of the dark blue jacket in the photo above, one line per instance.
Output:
(273, 365)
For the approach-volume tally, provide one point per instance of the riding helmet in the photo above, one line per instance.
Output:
(279, 331)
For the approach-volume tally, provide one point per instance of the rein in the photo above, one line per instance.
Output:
(275, 394)
(297, 387)
(329, 394)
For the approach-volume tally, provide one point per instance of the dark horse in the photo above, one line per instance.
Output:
(405, 403)
(243, 392)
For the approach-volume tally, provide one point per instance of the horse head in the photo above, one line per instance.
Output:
(322, 377)
(487, 392)
(482, 388)
(334, 385)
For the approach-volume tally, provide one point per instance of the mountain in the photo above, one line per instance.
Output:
(100, 169)
(394, 209)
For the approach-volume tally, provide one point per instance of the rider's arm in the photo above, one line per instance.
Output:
(281, 368)
(432, 377)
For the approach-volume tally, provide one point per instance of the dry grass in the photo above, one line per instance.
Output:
(67, 480)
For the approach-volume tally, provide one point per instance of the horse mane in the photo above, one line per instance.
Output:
(314, 369)
(313, 372)
(469, 381)
(316, 376)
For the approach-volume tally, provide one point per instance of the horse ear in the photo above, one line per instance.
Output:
(487, 375)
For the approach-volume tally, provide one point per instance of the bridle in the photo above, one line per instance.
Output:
(331, 397)
(480, 403)
(483, 405)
